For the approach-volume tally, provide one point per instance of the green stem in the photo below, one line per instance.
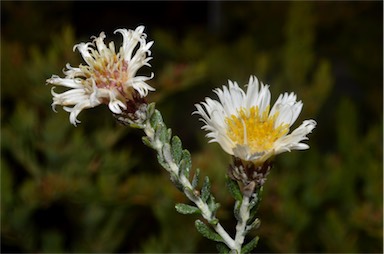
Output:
(165, 154)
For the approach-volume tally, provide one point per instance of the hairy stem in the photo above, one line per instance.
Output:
(172, 167)
(242, 223)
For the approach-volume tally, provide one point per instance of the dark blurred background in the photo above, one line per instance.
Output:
(96, 188)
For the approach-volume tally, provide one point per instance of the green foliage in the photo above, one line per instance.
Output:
(233, 188)
(207, 231)
(222, 248)
(187, 209)
(250, 246)
(206, 189)
(177, 148)
(185, 163)
(96, 188)
(195, 180)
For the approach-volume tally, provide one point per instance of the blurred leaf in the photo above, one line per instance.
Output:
(187, 209)
(6, 187)
(52, 241)
(176, 149)
(186, 163)
(206, 189)
(250, 246)
(222, 248)
(234, 188)
(195, 180)
(207, 232)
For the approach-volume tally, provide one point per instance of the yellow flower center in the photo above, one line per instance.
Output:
(257, 131)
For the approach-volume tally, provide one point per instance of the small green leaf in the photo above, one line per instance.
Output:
(147, 142)
(250, 246)
(222, 248)
(186, 163)
(236, 210)
(187, 209)
(195, 180)
(206, 189)
(162, 133)
(214, 221)
(136, 126)
(190, 194)
(175, 180)
(176, 149)
(162, 162)
(150, 109)
(213, 206)
(207, 232)
(169, 135)
(234, 188)
(254, 224)
(155, 119)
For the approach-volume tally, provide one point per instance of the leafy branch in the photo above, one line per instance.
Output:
(177, 161)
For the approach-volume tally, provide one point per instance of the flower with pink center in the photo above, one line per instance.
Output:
(109, 77)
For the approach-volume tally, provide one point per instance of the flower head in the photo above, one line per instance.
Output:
(109, 77)
(245, 125)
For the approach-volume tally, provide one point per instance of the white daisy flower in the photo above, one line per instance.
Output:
(109, 77)
(246, 127)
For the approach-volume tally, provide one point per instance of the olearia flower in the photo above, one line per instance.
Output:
(109, 77)
(245, 125)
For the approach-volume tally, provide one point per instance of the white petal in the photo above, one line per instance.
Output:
(241, 152)
(130, 40)
(72, 83)
(285, 115)
(138, 83)
(296, 110)
(139, 29)
(288, 109)
(292, 141)
(75, 111)
(252, 92)
(84, 49)
(236, 95)
(231, 99)
(264, 98)
(284, 99)
(99, 41)
(73, 72)
(257, 97)
(115, 105)
(225, 143)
